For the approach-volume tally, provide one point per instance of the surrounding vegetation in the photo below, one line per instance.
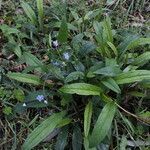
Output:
(74, 74)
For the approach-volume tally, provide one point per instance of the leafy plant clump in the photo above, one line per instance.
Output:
(70, 79)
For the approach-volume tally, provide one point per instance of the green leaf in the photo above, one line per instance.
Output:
(19, 94)
(123, 143)
(128, 124)
(74, 14)
(123, 46)
(138, 42)
(92, 69)
(32, 60)
(17, 51)
(62, 139)
(107, 29)
(92, 14)
(7, 31)
(106, 98)
(78, 65)
(66, 99)
(112, 46)
(64, 122)
(110, 2)
(145, 83)
(111, 84)
(29, 12)
(132, 76)
(111, 62)
(74, 76)
(63, 32)
(27, 78)
(103, 124)
(86, 144)
(7, 110)
(42, 131)
(70, 26)
(108, 71)
(145, 115)
(81, 89)
(97, 27)
(40, 13)
(142, 59)
(87, 47)
(137, 94)
(77, 138)
(87, 118)
(131, 42)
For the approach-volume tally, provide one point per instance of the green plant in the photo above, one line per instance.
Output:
(31, 14)
(109, 72)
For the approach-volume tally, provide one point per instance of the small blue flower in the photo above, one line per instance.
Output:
(55, 63)
(40, 98)
(66, 56)
(55, 44)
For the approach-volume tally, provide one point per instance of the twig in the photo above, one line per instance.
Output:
(143, 120)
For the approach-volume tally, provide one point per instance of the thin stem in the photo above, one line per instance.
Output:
(143, 120)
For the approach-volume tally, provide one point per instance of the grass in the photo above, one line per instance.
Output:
(74, 76)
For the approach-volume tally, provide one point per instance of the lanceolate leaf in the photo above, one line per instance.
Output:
(110, 2)
(133, 76)
(108, 71)
(64, 122)
(122, 47)
(74, 76)
(8, 30)
(86, 143)
(107, 29)
(111, 84)
(142, 59)
(29, 12)
(97, 27)
(32, 60)
(103, 124)
(42, 131)
(40, 7)
(77, 138)
(62, 139)
(87, 118)
(138, 42)
(27, 78)
(91, 14)
(131, 42)
(81, 89)
(123, 143)
(63, 32)
(112, 46)
(40, 12)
